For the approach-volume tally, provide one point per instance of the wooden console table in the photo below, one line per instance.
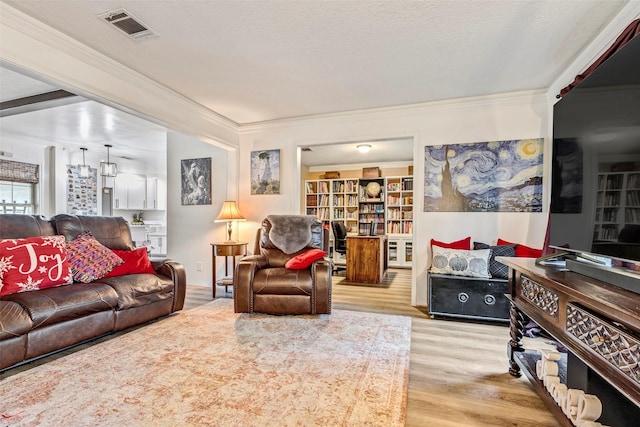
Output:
(366, 258)
(226, 249)
(597, 322)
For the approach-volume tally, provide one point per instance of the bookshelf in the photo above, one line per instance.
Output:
(347, 200)
(344, 202)
(617, 204)
(399, 205)
(371, 213)
(318, 199)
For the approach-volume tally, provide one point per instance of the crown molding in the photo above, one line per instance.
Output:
(42, 50)
(458, 104)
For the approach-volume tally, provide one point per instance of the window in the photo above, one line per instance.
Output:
(17, 197)
(18, 185)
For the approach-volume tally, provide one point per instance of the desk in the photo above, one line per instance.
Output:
(226, 249)
(366, 258)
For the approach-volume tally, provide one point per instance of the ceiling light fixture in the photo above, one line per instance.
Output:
(107, 168)
(364, 148)
(83, 169)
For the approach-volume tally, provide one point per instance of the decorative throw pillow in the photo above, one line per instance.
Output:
(135, 262)
(89, 259)
(33, 263)
(497, 269)
(305, 259)
(522, 250)
(458, 244)
(461, 262)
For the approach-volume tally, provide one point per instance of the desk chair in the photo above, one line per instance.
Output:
(339, 240)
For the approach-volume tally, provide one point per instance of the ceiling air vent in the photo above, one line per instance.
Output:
(127, 23)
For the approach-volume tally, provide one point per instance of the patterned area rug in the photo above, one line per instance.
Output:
(211, 367)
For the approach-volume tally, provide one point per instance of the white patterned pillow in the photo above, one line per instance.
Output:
(461, 262)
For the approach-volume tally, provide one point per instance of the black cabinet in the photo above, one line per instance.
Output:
(468, 297)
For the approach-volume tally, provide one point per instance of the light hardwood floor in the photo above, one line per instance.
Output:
(458, 370)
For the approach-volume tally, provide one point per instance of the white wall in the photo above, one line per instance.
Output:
(192, 229)
(508, 117)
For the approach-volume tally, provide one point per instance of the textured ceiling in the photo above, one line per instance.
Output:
(254, 61)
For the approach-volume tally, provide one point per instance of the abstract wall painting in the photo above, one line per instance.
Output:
(265, 172)
(196, 181)
(495, 176)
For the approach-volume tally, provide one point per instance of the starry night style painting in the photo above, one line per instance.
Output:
(495, 176)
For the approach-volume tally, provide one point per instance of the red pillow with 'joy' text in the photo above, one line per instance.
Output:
(33, 263)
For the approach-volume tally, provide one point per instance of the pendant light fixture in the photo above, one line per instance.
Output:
(84, 170)
(107, 168)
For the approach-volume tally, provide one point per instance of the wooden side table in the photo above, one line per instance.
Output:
(226, 249)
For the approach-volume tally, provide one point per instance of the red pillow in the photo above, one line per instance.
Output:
(522, 250)
(459, 244)
(33, 263)
(305, 259)
(135, 262)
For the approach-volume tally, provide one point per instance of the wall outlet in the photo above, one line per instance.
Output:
(199, 266)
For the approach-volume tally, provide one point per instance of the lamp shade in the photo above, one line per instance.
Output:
(229, 212)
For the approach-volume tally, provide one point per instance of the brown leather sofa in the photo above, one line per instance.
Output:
(263, 284)
(40, 322)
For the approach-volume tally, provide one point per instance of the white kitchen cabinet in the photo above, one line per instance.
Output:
(151, 199)
(119, 194)
(137, 192)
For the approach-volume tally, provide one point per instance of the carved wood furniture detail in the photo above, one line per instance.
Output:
(540, 296)
(597, 322)
(617, 347)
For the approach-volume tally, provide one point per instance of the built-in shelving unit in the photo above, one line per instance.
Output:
(344, 202)
(617, 204)
(318, 199)
(399, 204)
(357, 203)
(371, 215)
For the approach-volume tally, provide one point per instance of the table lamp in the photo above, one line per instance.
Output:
(229, 212)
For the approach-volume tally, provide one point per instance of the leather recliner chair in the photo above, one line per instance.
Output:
(263, 284)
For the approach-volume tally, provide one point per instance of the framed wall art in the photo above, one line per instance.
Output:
(265, 172)
(495, 176)
(196, 181)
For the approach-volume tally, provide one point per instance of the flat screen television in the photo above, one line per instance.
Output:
(595, 195)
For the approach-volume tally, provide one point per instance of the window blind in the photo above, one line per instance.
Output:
(19, 172)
